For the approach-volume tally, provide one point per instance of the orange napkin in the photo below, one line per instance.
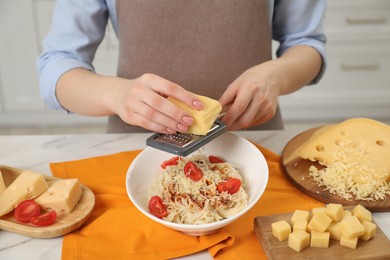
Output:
(117, 230)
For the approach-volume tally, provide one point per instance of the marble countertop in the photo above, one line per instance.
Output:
(36, 152)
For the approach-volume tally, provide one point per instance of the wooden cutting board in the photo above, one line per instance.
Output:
(377, 248)
(64, 224)
(297, 171)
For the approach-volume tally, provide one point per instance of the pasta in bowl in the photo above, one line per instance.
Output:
(170, 190)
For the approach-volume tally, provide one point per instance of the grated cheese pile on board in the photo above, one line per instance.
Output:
(356, 156)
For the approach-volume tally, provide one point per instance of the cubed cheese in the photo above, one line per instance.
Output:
(362, 213)
(349, 242)
(300, 214)
(62, 196)
(203, 119)
(369, 230)
(28, 185)
(319, 239)
(320, 222)
(300, 224)
(351, 227)
(281, 230)
(299, 240)
(335, 211)
(334, 230)
(317, 210)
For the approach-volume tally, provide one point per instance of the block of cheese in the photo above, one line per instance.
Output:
(362, 213)
(320, 222)
(334, 230)
(349, 242)
(300, 214)
(62, 196)
(319, 239)
(351, 227)
(369, 231)
(300, 224)
(28, 185)
(2, 184)
(354, 149)
(317, 210)
(335, 211)
(299, 240)
(281, 230)
(203, 119)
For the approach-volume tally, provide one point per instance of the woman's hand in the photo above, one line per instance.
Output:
(143, 102)
(253, 97)
(140, 102)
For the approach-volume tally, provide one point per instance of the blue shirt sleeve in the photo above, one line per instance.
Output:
(77, 29)
(300, 22)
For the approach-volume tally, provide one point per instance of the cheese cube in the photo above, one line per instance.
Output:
(347, 213)
(362, 213)
(320, 222)
(335, 211)
(351, 227)
(2, 184)
(309, 227)
(335, 230)
(28, 185)
(369, 231)
(299, 240)
(203, 119)
(281, 230)
(317, 210)
(319, 239)
(300, 224)
(349, 242)
(62, 196)
(300, 214)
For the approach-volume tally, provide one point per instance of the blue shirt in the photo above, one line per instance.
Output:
(78, 28)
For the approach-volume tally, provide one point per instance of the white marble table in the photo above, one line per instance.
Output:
(35, 152)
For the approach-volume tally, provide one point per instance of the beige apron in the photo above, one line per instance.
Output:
(200, 45)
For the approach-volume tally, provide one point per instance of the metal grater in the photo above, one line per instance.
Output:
(184, 144)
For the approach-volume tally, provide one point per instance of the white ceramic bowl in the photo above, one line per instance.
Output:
(233, 148)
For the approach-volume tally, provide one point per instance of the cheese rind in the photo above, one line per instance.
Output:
(62, 196)
(28, 185)
(203, 119)
(2, 184)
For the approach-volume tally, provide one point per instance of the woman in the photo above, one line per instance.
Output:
(217, 48)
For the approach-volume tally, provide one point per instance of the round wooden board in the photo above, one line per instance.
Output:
(297, 171)
(63, 225)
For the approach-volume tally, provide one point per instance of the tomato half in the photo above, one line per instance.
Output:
(170, 162)
(231, 185)
(45, 219)
(157, 207)
(215, 159)
(26, 210)
(192, 171)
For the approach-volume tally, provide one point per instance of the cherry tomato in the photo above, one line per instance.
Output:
(26, 210)
(215, 159)
(192, 171)
(231, 185)
(157, 208)
(172, 161)
(45, 219)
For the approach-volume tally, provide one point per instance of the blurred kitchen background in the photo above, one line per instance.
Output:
(356, 83)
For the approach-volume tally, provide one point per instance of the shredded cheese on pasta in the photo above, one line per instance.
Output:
(198, 202)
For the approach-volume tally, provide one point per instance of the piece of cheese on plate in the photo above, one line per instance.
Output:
(362, 144)
(2, 184)
(203, 119)
(28, 185)
(62, 196)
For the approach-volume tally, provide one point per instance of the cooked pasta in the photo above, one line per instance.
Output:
(199, 202)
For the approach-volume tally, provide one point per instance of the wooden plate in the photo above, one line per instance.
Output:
(376, 248)
(297, 171)
(64, 224)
